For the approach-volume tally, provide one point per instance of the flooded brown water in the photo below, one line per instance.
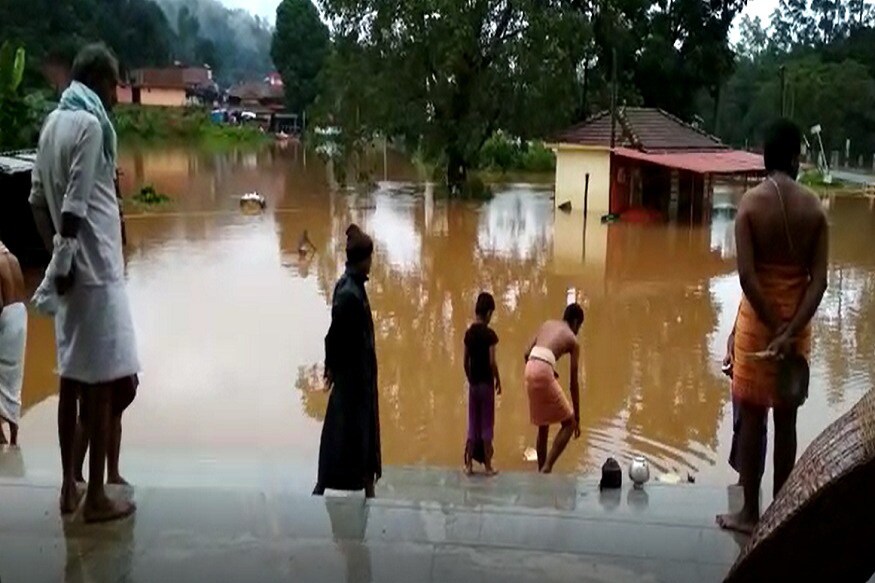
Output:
(230, 323)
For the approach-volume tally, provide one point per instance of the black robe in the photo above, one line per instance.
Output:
(350, 449)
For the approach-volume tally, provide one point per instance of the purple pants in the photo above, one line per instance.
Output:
(481, 417)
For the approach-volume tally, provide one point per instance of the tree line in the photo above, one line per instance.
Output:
(444, 77)
(815, 62)
(142, 33)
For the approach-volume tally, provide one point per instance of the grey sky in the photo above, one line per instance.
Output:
(267, 8)
(263, 8)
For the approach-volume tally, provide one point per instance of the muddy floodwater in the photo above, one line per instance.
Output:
(231, 321)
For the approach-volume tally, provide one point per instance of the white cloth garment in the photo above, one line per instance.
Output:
(544, 355)
(94, 330)
(45, 300)
(13, 336)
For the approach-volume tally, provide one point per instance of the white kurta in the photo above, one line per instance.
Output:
(94, 330)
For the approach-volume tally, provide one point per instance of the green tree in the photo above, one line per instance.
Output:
(444, 76)
(235, 43)
(826, 49)
(301, 44)
(13, 109)
(666, 51)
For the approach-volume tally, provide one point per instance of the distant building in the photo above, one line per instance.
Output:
(658, 164)
(258, 96)
(274, 79)
(175, 86)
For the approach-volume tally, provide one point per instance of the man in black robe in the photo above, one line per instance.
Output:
(349, 455)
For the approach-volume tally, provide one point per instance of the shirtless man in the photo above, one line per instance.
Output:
(13, 332)
(547, 402)
(782, 240)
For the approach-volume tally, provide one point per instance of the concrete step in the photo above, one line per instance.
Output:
(232, 535)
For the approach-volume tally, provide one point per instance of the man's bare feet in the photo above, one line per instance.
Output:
(740, 522)
(547, 469)
(105, 510)
(71, 496)
(469, 470)
(490, 471)
(117, 480)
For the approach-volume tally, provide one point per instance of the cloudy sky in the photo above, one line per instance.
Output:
(267, 8)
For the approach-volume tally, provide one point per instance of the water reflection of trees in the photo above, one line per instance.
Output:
(844, 331)
(648, 386)
(651, 375)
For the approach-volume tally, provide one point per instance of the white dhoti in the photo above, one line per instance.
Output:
(13, 337)
(94, 331)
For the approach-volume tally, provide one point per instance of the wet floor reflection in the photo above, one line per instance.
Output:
(231, 317)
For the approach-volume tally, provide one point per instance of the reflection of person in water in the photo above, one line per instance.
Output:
(349, 522)
(306, 251)
(305, 245)
(90, 558)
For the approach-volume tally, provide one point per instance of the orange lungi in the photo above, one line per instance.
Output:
(547, 402)
(755, 380)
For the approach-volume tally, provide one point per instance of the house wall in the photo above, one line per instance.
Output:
(573, 163)
(124, 94)
(164, 97)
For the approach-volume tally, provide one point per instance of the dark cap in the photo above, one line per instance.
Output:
(359, 246)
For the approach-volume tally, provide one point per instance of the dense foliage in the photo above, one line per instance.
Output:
(179, 124)
(446, 76)
(234, 42)
(20, 113)
(300, 46)
(825, 51)
(141, 32)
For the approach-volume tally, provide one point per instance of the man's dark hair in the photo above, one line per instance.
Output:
(573, 314)
(94, 64)
(485, 304)
(782, 146)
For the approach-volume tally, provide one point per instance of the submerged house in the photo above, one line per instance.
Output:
(175, 86)
(659, 166)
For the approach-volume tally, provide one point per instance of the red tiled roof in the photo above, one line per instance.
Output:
(256, 91)
(171, 77)
(703, 162)
(646, 129)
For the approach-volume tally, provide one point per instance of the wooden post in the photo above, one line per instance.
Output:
(585, 199)
(121, 211)
(613, 98)
(385, 159)
(692, 196)
(674, 196)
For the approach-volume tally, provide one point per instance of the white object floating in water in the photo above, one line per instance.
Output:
(530, 454)
(253, 199)
(669, 478)
(570, 296)
(639, 471)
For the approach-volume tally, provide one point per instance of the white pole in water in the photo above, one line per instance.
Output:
(385, 159)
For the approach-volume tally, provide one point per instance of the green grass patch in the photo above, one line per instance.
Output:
(144, 124)
(148, 196)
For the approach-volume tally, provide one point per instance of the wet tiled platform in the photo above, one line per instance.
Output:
(427, 525)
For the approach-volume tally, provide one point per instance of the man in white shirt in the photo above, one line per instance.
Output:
(73, 196)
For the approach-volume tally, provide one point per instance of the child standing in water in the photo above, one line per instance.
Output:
(483, 384)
